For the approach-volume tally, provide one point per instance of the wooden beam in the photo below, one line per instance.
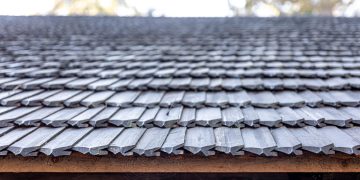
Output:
(182, 163)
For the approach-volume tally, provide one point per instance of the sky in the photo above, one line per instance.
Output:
(170, 8)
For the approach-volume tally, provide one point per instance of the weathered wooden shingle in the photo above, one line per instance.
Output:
(343, 142)
(123, 99)
(30, 144)
(7, 118)
(62, 143)
(96, 99)
(151, 141)
(34, 118)
(268, 117)
(285, 141)
(149, 98)
(312, 140)
(200, 140)
(174, 141)
(232, 116)
(259, 141)
(168, 117)
(97, 141)
(81, 119)
(11, 137)
(60, 118)
(59, 98)
(194, 99)
(126, 141)
(264, 99)
(208, 117)
(229, 140)
(101, 119)
(127, 117)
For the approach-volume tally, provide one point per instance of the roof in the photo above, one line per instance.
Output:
(179, 86)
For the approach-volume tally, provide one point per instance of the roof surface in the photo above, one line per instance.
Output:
(147, 86)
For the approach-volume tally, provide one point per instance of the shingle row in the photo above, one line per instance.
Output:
(148, 61)
(216, 72)
(146, 98)
(178, 116)
(198, 140)
(8, 83)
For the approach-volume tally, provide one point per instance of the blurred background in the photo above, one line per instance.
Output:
(182, 8)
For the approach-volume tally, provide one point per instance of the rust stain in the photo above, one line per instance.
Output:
(184, 163)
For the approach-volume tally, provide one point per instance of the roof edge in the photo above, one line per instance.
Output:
(78, 163)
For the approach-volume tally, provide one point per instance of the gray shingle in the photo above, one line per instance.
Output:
(120, 85)
(59, 98)
(229, 140)
(327, 98)
(7, 118)
(34, 118)
(343, 142)
(180, 83)
(264, 99)
(239, 98)
(311, 99)
(123, 99)
(345, 98)
(231, 83)
(97, 141)
(75, 100)
(38, 99)
(259, 141)
(57, 83)
(172, 98)
(289, 98)
(36, 84)
(290, 117)
(60, 118)
(272, 83)
(353, 112)
(188, 117)
(151, 141)
(168, 117)
(17, 98)
(216, 99)
(84, 117)
(101, 119)
(159, 83)
(62, 143)
(194, 99)
(15, 84)
(80, 83)
(148, 117)
(208, 117)
(127, 117)
(96, 99)
(149, 98)
(174, 141)
(139, 83)
(285, 141)
(251, 117)
(252, 83)
(126, 141)
(232, 117)
(30, 144)
(334, 117)
(311, 116)
(200, 140)
(312, 140)
(268, 117)
(11, 137)
(102, 84)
